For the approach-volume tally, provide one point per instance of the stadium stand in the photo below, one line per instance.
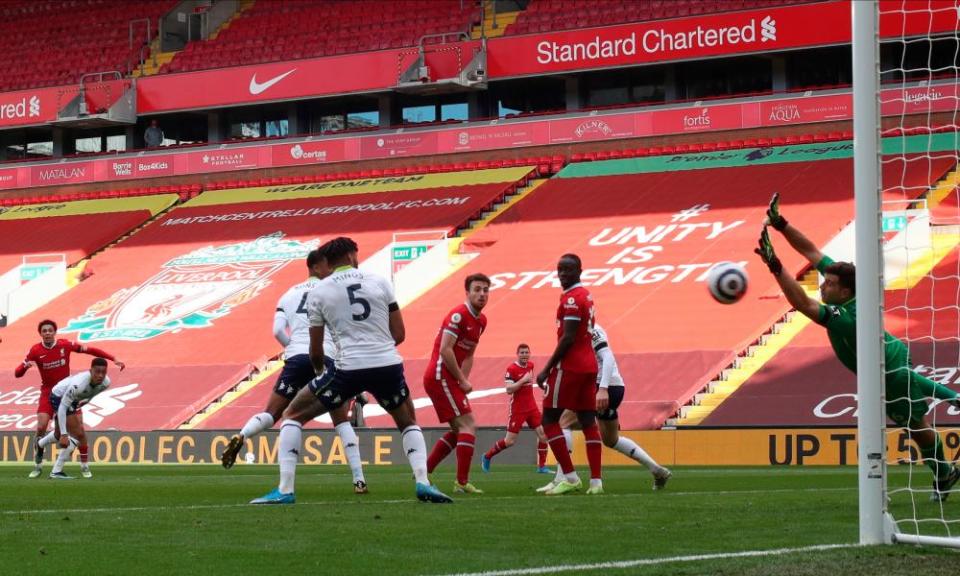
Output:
(805, 385)
(549, 15)
(287, 30)
(187, 301)
(49, 42)
(75, 229)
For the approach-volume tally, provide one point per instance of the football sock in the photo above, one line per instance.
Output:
(465, 444)
(257, 424)
(498, 447)
(291, 432)
(415, 448)
(47, 440)
(441, 450)
(64, 455)
(594, 449)
(351, 445)
(559, 447)
(630, 449)
(541, 454)
(568, 437)
(935, 459)
(83, 449)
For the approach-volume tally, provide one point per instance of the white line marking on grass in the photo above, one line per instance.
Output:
(461, 501)
(653, 561)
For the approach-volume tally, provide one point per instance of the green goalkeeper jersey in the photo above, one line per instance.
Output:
(841, 324)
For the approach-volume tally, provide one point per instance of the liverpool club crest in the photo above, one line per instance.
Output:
(190, 291)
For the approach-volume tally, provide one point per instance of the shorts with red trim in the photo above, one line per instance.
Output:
(447, 397)
(575, 391)
(532, 418)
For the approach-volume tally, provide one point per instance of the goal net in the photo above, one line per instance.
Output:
(908, 231)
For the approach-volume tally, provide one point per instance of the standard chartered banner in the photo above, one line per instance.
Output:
(377, 447)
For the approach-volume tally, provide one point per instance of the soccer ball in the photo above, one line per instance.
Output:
(727, 282)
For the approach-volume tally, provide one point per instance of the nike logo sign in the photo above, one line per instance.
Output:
(258, 87)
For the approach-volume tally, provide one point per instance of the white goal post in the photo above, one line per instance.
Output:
(890, 512)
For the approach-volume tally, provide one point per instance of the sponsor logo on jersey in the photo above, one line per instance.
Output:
(190, 291)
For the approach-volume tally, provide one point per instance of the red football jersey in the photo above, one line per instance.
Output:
(576, 303)
(467, 327)
(522, 400)
(54, 362)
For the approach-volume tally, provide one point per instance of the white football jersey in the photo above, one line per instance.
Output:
(600, 343)
(77, 387)
(354, 308)
(292, 307)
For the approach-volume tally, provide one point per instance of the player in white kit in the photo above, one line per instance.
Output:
(66, 398)
(610, 389)
(291, 328)
(358, 311)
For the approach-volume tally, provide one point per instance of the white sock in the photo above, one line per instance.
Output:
(351, 445)
(416, 450)
(291, 432)
(47, 440)
(596, 483)
(631, 449)
(64, 455)
(257, 424)
(568, 436)
(571, 477)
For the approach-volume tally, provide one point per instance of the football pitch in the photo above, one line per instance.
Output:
(194, 520)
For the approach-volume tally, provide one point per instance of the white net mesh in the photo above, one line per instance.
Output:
(919, 48)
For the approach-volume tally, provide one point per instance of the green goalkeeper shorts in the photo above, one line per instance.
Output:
(906, 403)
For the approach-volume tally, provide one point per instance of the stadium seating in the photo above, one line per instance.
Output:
(549, 15)
(50, 42)
(291, 29)
(187, 301)
(75, 229)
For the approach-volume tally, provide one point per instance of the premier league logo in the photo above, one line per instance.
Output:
(189, 291)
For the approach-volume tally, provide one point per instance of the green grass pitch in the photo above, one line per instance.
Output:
(193, 520)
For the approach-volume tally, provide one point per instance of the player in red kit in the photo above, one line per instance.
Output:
(447, 382)
(571, 376)
(52, 358)
(519, 382)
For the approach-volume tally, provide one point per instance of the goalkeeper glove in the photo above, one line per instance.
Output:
(774, 218)
(766, 253)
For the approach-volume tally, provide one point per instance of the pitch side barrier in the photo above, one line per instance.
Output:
(383, 447)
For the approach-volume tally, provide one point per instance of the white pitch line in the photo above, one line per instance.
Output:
(653, 561)
(462, 501)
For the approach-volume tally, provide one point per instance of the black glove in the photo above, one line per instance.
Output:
(774, 218)
(766, 253)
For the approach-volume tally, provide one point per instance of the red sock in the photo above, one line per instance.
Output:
(497, 448)
(441, 450)
(464, 456)
(541, 454)
(83, 453)
(558, 446)
(594, 450)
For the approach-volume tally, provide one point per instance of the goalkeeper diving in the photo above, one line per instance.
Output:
(906, 391)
